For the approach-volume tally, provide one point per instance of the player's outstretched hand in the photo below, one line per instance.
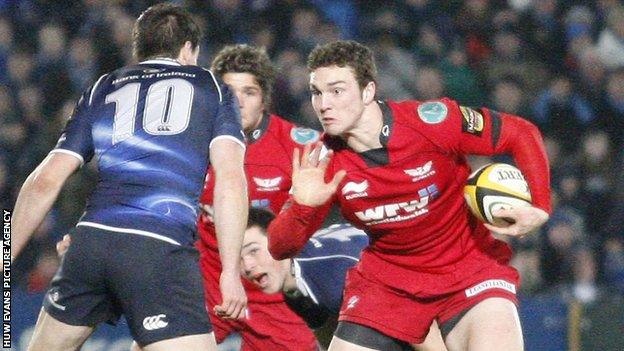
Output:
(308, 179)
(63, 245)
(525, 220)
(234, 299)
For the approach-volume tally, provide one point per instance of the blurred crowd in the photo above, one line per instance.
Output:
(559, 64)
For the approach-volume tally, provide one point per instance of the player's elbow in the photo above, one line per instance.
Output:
(527, 127)
(42, 182)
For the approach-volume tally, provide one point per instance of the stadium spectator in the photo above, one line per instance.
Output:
(611, 110)
(508, 95)
(610, 45)
(563, 112)
(430, 84)
(568, 263)
(460, 80)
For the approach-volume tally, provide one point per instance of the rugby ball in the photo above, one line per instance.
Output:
(496, 186)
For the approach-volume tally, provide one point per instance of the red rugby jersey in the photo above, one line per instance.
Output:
(268, 167)
(408, 195)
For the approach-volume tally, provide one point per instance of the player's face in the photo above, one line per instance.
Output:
(336, 98)
(258, 266)
(249, 94)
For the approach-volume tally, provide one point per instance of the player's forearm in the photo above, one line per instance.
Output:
(230, 216)
(291, 229)
(524, 142)
(34, 201)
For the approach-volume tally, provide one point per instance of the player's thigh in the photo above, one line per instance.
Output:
(492, 324)
(337, 344)
(159, 288)
(51, 334)
(433, 341)
(185, 343)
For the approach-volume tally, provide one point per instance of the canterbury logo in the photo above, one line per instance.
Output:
(155, 322)
(420, 171)
(353, 187)
(267, 183)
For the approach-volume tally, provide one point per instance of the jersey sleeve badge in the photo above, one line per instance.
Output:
(432, 112)
(472, 121)
(304, 136)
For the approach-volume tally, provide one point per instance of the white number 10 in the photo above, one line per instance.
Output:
(167, 108)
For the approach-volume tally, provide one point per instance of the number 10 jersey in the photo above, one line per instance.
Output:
(149, 127)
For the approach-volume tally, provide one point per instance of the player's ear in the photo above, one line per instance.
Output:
(368, 93)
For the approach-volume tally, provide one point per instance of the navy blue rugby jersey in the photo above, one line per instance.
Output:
(321, 266)
(149, 127)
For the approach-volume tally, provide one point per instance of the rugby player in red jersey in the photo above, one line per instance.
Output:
(269, 323)
(397, 170)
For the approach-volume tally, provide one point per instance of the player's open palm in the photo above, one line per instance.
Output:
(234, 300)
(308, 181)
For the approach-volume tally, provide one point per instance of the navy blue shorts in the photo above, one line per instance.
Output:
(156, 285)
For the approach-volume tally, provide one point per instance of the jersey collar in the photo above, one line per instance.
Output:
(257, 133)
(161, 61)
(381, 157)
(388, 119)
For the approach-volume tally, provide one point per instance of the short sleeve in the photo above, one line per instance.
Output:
(76, 138)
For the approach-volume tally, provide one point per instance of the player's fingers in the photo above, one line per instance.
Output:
(296, 161)
(305, 157)
(315, 155)
(230, 308)
(241, 313)
(221, 309)
(325, 160)
(237, 310)
(218, 310)
(494, 229)
(504, 213)
(512, 230)
(338, 177)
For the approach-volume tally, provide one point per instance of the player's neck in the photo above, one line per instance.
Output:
(365, 135)
(290, 282)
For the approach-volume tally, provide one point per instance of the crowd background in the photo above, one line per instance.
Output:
(560, 64)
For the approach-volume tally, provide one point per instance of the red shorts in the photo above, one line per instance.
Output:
(407, 317)
(269, 324)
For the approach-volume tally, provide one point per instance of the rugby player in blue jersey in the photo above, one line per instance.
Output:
(152, 127)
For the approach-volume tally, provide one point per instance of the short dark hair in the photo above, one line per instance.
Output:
(344, 53)
(259, 217)
(243, 58)
(162, 30)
